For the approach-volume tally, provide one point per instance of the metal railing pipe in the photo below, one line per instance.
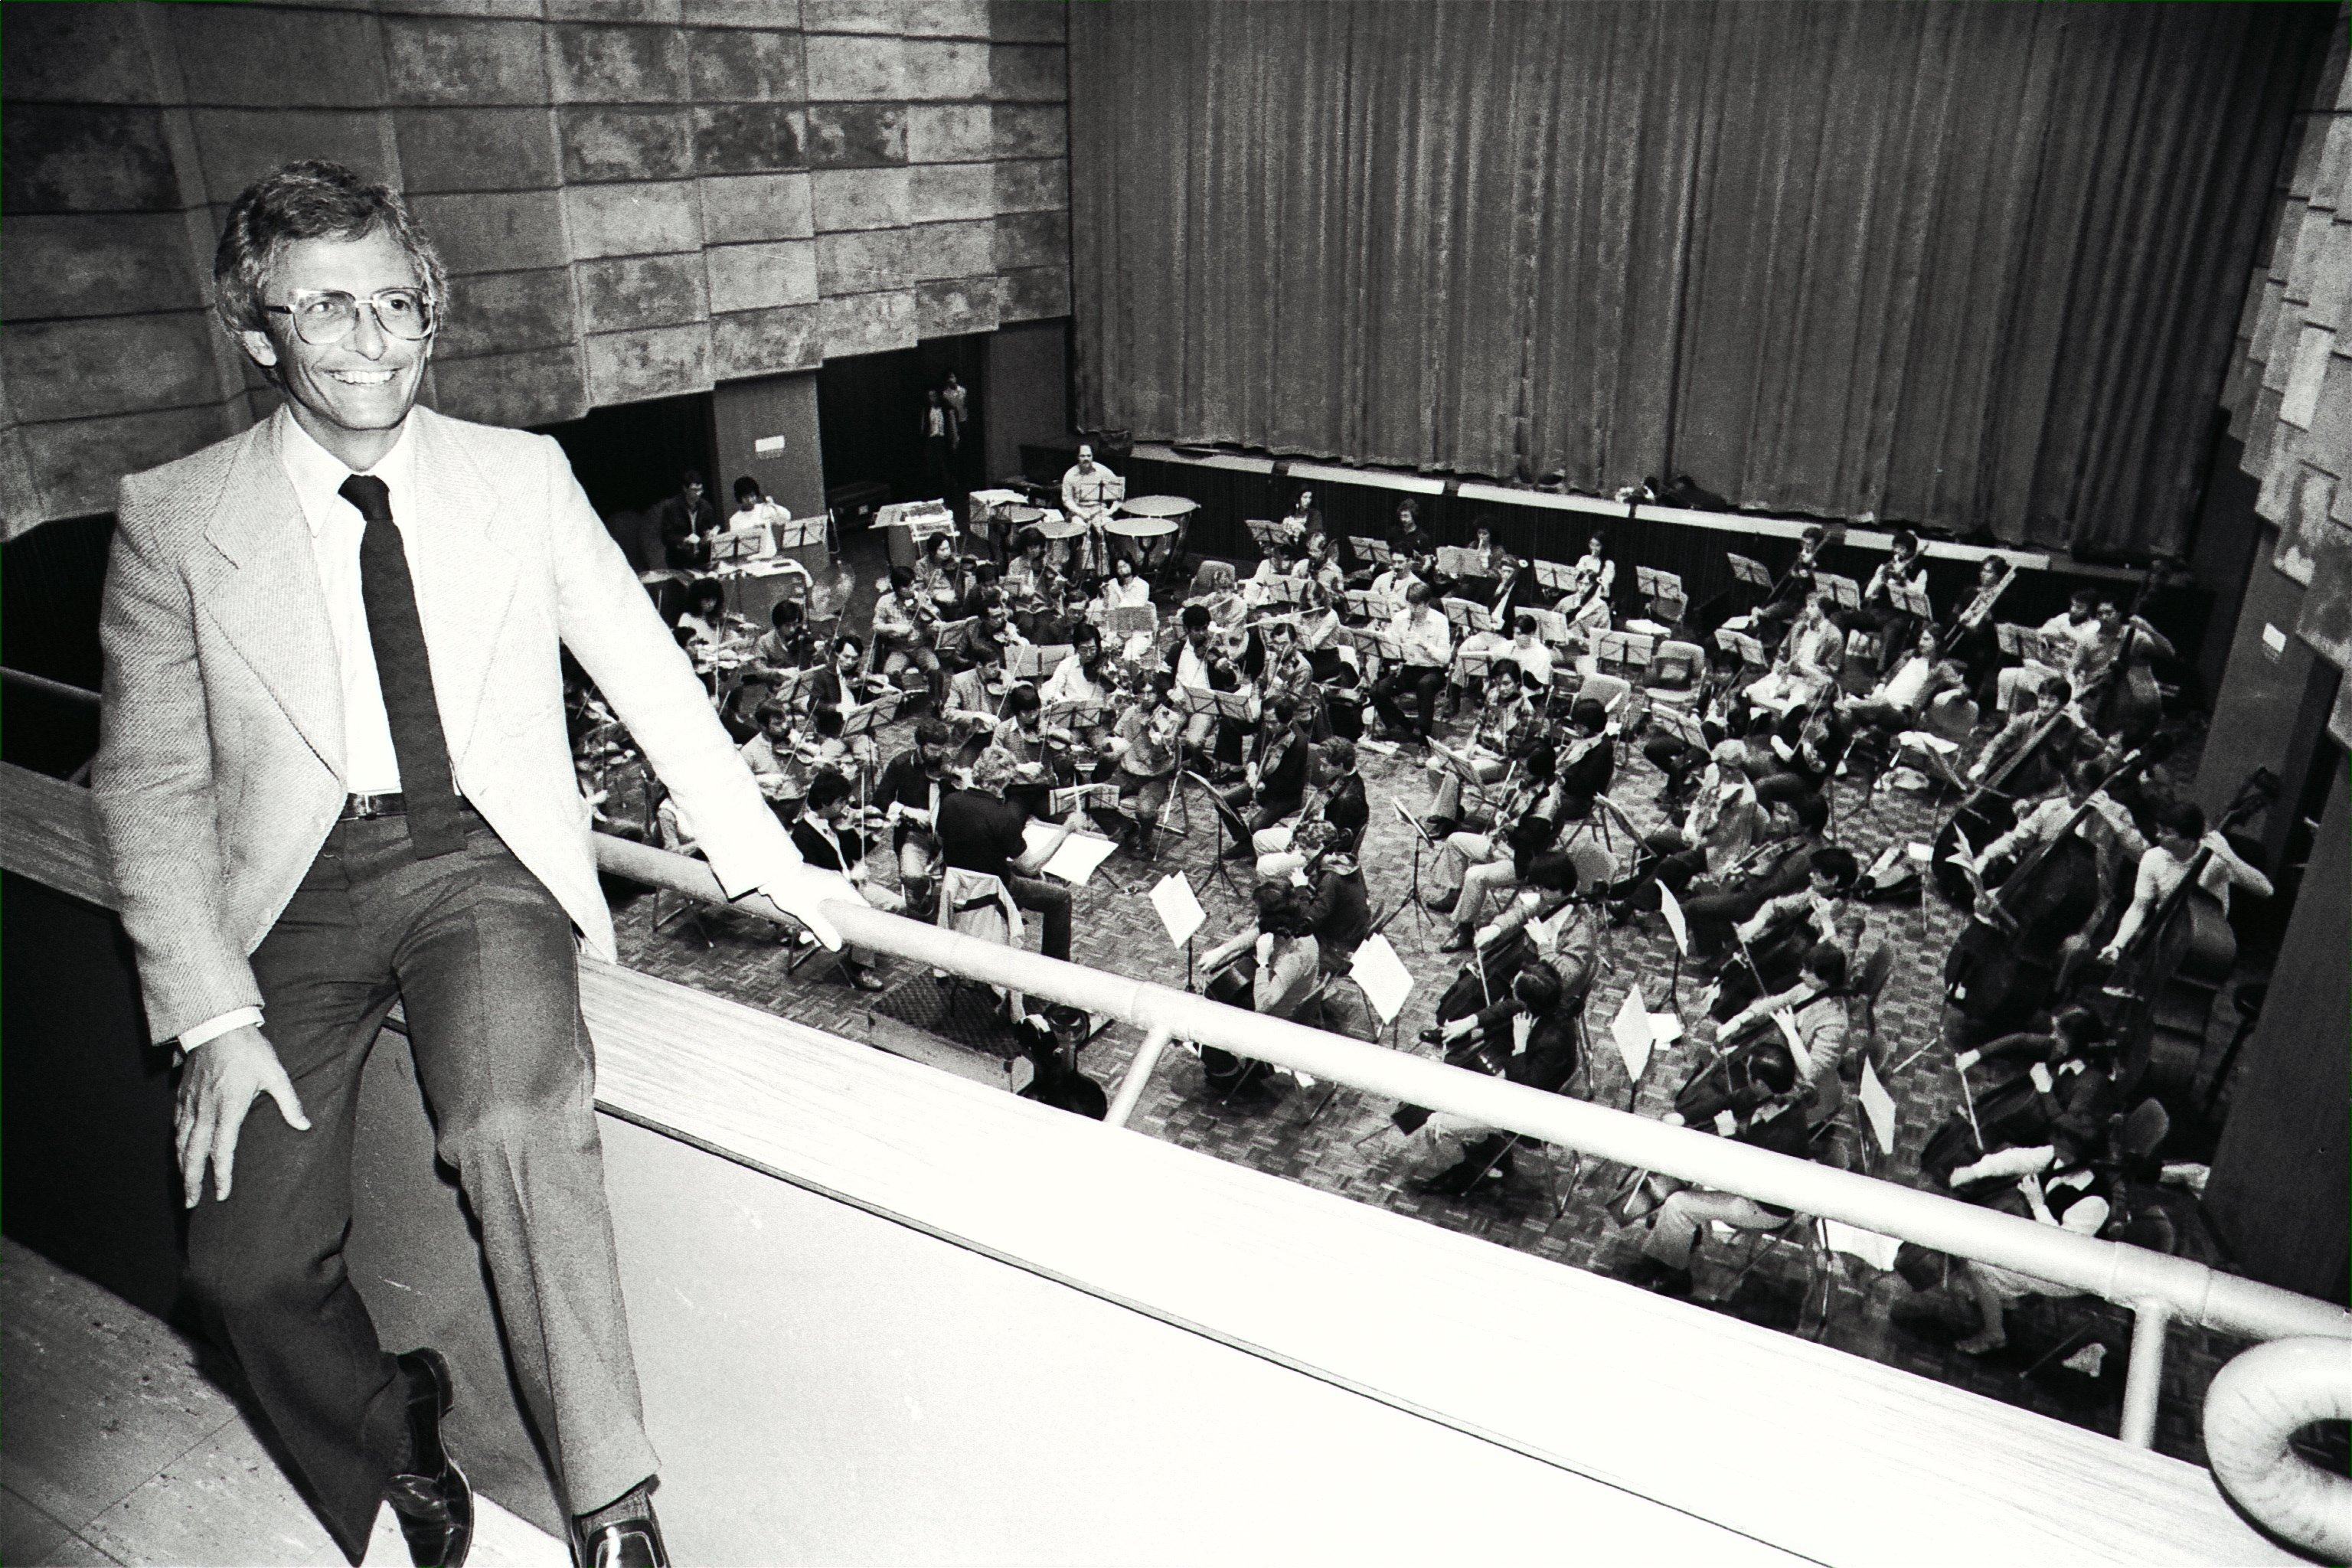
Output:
(2253, 1407)
(1137, 1078)
(2144, 1376)
(2127, 1274)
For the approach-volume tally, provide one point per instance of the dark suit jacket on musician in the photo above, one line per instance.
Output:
(681, 526)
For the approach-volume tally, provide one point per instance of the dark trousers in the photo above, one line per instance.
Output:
(1043, 896)
(1420, 681)
(480, 957)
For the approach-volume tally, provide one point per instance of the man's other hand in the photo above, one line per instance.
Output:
(217, 1084)
(799, 892)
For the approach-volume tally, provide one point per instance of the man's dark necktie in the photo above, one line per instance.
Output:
(435, 824)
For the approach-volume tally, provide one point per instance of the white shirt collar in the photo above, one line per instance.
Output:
(318, 475)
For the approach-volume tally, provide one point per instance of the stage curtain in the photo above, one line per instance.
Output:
(1977, 265)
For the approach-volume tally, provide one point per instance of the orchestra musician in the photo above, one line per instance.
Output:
(1421, 630)
(829, 839)
(2180, 836)
(1794, 590)
(1275, 783)
(1333, 820)
(1765, 1115)
(1775, 938)
(1585, 607)
(787, 644)
(1529, 1037)
(1777, 865)
(1508, 730)
(1716, 833)
(909, 793)
(1811, 658)
(2059, 1113)
(1147, 742)
(1877, 614)
(1274, 967)
(1481, 647)
(2070, 628)
(904, 622)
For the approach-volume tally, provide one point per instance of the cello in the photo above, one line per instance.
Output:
(1989, 811)
(2005, 963)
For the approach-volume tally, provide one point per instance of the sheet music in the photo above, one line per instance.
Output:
(1383, 974)
(1671, 907)
(1878, 1106)
(1631, 1033)
(1179, 908)
(1076, 860)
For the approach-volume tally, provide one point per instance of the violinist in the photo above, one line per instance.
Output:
(840, 685)
(943, 578)
(829, 840)
(1528, 1037)
(1198, 663)
(1718, 707)
(769, 755)
(1321, 564)
(1502, 607)
(1085, 682)
(981, 643)
(1776, 867)
(2180, 838)
(1765, 1115)
(1816, 1007)
(1272, 966)
(1341, 911)
(705, 616)
(1506, 730)
(1321, 638)
(788, 643)
(1507, 858)
(1716, 833)
(1275, 785)
(904, 622)
(908, 793)
(1147, 744)
(1332, 822)
(1588, 760)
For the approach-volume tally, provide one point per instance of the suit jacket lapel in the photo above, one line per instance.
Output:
(465, 567)
(261, 586)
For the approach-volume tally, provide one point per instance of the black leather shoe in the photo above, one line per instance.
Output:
(434, 1502)
(631, 1543)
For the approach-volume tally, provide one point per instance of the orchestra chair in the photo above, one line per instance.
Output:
(979, 904)
(1675, 672)
(1859, 671)
(1799, 1232)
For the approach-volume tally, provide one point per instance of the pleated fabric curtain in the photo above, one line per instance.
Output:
(1977, 265)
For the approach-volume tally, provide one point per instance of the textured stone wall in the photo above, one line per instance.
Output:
(637, 198)
(2290, 390)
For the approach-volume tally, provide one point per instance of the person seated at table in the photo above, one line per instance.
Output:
(981, 829)
(705, 616)
(1811, 658)
(1529, 1036)
(1720, 827)
(1274, 781)
(1528, 650)
(1506, 730)
(1585, 607)
(1420, 629)
(1338, 817)
(787, 644)
(828, 838)
(1146, 743)
(908, 793)
(771, 755)
(1769, 1115)
(903, 626)
(1124, 587)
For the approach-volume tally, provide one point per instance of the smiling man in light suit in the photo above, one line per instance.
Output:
(334, 775)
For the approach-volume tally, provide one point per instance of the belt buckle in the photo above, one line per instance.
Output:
(367, 807)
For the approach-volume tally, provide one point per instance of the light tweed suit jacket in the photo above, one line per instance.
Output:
(220, 760)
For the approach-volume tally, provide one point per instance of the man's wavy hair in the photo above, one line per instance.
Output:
(310, 199)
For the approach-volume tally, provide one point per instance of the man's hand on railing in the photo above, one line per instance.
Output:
(217, 1086)
(799, 891)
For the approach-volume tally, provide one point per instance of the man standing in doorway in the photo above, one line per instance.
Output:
(334, 775)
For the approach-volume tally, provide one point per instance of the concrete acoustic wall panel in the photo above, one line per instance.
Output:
(2290, 388)
(634, 198)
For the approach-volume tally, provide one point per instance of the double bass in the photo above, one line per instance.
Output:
(2159, 998)
(1989, 811)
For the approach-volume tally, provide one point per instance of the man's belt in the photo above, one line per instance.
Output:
(392, 803)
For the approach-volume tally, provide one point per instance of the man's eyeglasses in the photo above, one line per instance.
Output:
(328, 315)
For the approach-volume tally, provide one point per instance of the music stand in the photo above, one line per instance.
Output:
(1469, 616)
(1845, 590)
(1912, 602)
(1232, 823)
(1748, 569)
(1369, 549)
(1419, 837)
